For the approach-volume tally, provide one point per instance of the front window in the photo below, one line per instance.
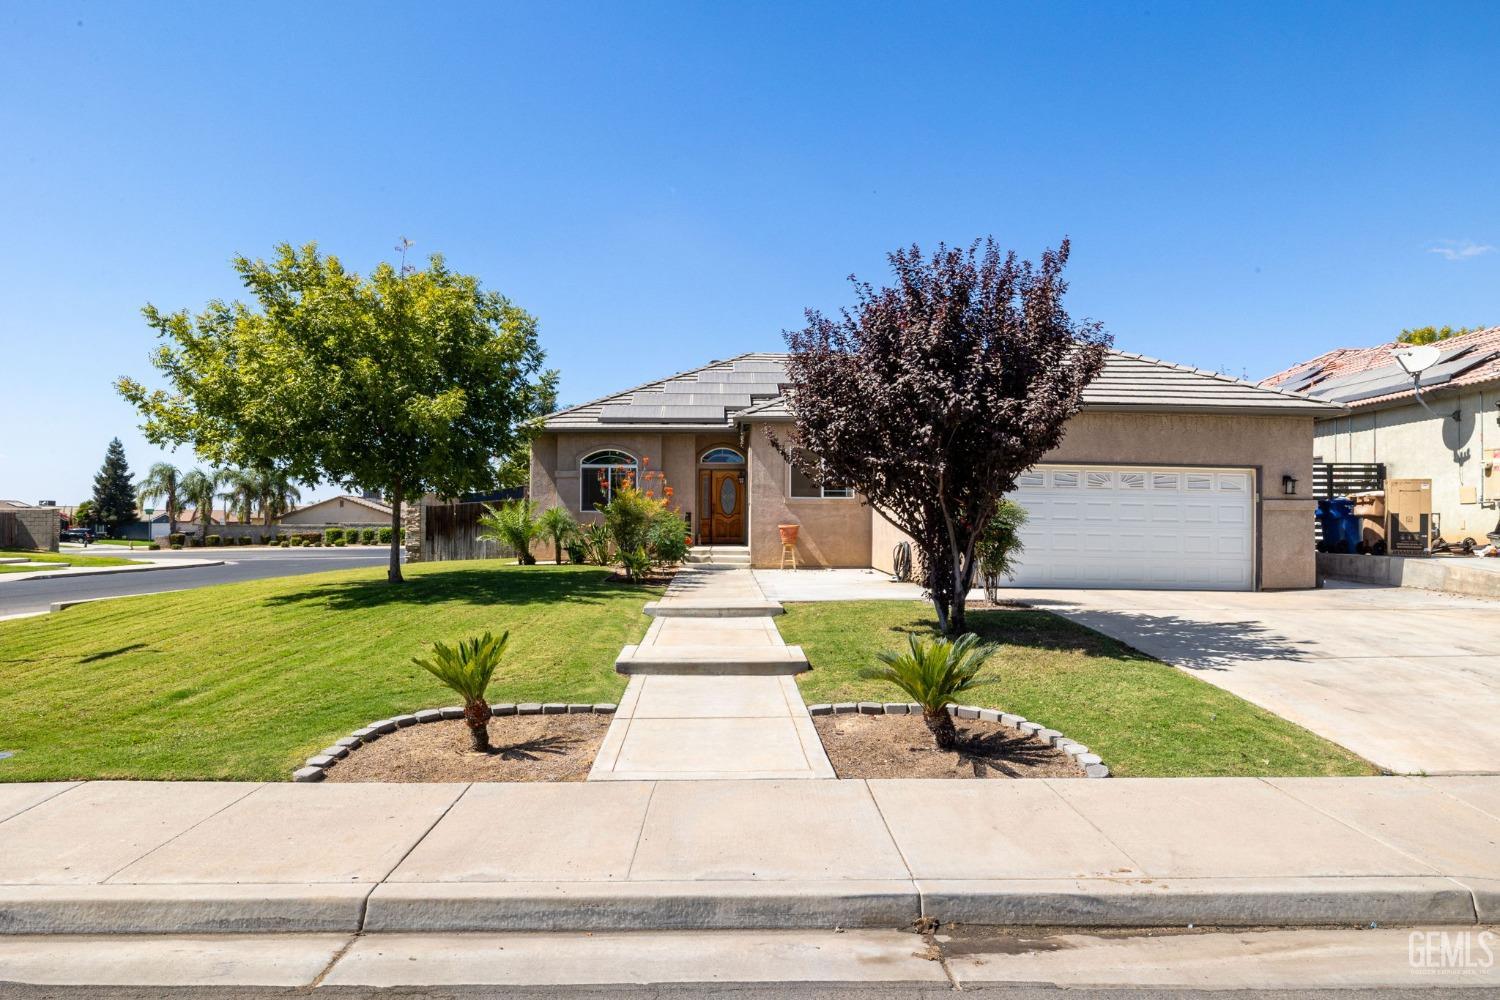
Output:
(722, 456)
(602, 473)
(804, 488)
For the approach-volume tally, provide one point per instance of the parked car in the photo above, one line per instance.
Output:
(84, 535)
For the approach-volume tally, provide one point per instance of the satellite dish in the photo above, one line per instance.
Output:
(1416, 360)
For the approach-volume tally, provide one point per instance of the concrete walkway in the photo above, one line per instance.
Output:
(217, 857)
(711, 694)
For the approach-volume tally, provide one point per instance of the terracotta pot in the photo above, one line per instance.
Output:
(788, 533)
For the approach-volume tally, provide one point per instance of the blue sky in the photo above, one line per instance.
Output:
(663, 184)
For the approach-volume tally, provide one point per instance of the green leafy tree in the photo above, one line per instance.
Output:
(999, 546)
(201, 489)
(83, 514)
(163, 482)
(403, 382)
(1433, 334)
(933, 673)
(513, 523)
(557, 524)
(467, 669)
(114, 493)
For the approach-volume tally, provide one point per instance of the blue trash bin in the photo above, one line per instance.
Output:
(1342, 531)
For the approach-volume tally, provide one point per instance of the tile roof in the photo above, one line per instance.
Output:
(1361, 377)
(750, 387)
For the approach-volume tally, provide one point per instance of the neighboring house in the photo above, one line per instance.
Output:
(1170, 477)
(345, 511)
(1454, 440)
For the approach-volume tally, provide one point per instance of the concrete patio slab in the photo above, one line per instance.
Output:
(287, 960)
(1228, 827)
(531, 832)
(17, 798)
(809, 830)
(182, 909)
(697, 747)
(1298, 961)
(89, 834)
(668, 696)
(391, 961)
(1183, 902)
(1030, 832)
(301, 833)
(1410, 815)
(1482, 793)
(642, 905)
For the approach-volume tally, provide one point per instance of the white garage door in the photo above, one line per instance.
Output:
(1090, 526)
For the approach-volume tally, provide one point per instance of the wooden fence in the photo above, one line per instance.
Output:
(451, 531)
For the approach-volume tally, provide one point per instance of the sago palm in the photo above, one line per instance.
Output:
(557, 524)
(467, 669)
(933, 672)
(514, 524)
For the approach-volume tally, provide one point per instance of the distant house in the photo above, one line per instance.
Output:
(347, 511)
(1449, 436)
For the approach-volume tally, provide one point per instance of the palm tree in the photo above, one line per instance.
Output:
(467, 669)
(245, 488)
(162, 482)
(278, 494)
(201, 489)
(933, 672)
(557, 524)
(514, 524)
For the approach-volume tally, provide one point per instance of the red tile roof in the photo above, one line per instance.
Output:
(1343, 362)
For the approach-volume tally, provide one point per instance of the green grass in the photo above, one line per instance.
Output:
(1143, 717)
(62, 559)
(126, 543)
(245, 680)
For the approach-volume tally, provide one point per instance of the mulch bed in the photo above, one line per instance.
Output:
(901, 746)
(526, 748)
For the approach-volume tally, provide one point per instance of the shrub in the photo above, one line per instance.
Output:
(576, 554)
(668, 538)
(593, 541)
(467, 670)
(176, 545)
(266, 539)
(513, 524)
(291, 540)
(999, 546)
(243, 540)
(285, 543)
(177, 538)
(384, 536)
(310, 537)
(154, 546)
(339, 542)
(333, 535)
(933, 672)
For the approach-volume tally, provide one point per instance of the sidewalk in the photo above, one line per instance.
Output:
(711, 694)
(142, 566)
(202, 857)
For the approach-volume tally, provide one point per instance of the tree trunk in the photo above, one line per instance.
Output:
(477, 717)
(941, 725)
(393, 573)
(557, 549)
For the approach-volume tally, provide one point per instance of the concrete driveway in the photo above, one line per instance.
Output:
(1409, 679)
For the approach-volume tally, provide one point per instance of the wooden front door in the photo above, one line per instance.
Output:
(721, 503)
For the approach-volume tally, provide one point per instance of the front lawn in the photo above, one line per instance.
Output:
(58, 559)
(1144, 717)
(243, 681)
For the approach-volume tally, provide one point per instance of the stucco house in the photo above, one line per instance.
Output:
(1453, 440)
(1170, 477)
(347, 511)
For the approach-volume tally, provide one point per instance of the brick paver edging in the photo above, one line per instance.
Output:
(318, 764)
(1093, 766)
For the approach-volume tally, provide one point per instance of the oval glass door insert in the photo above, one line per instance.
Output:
(728, 496)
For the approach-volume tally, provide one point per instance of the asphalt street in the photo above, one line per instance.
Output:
(19, 597)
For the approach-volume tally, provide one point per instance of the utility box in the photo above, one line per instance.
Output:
(1408, 504)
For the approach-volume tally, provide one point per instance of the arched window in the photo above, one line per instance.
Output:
(722, 456)
(603, 472)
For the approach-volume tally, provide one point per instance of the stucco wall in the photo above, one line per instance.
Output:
(335, 512)
(1416, 444)
(555, 458)
(833, 532)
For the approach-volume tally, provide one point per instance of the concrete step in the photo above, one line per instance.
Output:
(719, 555)
(706, 660)
(724, 607)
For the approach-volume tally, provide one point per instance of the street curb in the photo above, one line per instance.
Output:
(182, 908)
(103, 571)
(1092, 765)
(316, 766)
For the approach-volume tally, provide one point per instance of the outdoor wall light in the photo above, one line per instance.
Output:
(1289, 485)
